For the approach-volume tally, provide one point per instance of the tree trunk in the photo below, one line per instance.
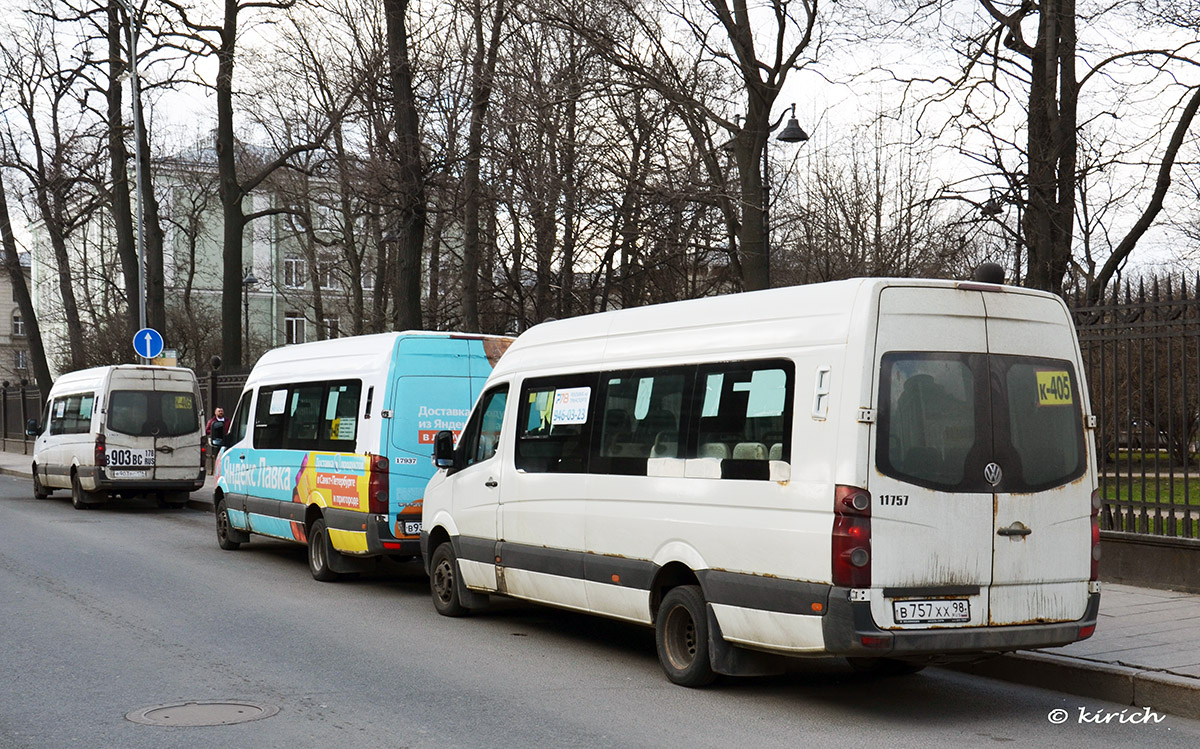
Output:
(1053, 97)
(410, 188)
(231, 195)
(16, 276)
(156, 300)
(119, 165)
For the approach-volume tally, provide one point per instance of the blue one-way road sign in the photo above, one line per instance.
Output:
(148, 343)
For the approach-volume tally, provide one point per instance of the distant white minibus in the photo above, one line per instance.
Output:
(889, 470)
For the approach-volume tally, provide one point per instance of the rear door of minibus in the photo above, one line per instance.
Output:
(979, 515)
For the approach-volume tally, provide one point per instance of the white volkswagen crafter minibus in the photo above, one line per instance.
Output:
(125, 429)
(889, 470)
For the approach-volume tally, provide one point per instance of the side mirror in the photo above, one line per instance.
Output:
(443, 449)
(32, 428)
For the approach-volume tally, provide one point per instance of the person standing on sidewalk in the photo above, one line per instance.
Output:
(215, 430)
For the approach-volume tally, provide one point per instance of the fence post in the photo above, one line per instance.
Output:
(24, 418)
(4, 411)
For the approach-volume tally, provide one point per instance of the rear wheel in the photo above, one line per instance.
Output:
(443, 582)
(681, 637)
(224, 528)
(319, 552)
(39, 491)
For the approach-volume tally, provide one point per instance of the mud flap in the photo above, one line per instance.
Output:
(469, 598)
(344, 564)
(733, 660)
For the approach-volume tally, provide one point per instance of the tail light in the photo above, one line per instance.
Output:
(101, 458)
(851, 537)
(1095, 535)
(377, 485)
(203, 453)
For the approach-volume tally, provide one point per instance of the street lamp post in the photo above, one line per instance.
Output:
(248, 281)
(135, 85)
(791, 133)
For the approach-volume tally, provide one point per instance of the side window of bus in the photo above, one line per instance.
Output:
(745, 416)
(241, 417)
(554, 424)
(269, 417)
(644, 417)
(481, 437)
(58, 412)
(72, 414)
(309, 416)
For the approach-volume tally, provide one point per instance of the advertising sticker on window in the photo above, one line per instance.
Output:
(571, 406)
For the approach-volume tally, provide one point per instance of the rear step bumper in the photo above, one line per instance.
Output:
(103, 483)
(846, 624)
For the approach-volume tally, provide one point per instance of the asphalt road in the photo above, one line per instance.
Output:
(114, 609)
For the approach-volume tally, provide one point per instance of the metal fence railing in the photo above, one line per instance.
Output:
(1141, 347)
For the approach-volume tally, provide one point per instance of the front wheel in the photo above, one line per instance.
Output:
(39, 491)
(443, 582)
(223, 529)
(681, 637)
(319, 552)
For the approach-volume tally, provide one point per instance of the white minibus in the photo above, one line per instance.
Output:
(121, 430)
(892, 470)
(329, 444)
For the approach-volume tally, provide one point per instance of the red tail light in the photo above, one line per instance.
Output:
(1095, 535)
(101, 458)
(203, 452)
(851, 537)
(377, 485)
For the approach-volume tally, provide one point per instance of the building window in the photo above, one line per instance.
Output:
(328, 268)
(18, 326)
(21, 359)
(294, 328)
(368, 279)
(331, 326)
(295, 272)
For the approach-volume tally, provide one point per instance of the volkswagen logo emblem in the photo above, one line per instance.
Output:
(992, 473)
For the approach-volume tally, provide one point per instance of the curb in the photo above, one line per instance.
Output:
(1160, 690)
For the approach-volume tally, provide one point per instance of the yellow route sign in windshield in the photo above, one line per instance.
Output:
(1054, 388)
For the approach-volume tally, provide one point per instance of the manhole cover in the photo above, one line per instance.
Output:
(201, 714)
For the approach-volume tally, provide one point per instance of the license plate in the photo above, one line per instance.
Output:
(118, 474)
(122, 457)
(935, 611)
(412, 527)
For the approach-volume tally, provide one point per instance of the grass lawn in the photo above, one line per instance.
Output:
(1162, 491)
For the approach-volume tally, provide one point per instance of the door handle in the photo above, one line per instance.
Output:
(491, 483)
(1016, 529)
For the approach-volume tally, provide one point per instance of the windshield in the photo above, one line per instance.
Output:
(143, 413)
(945, 416)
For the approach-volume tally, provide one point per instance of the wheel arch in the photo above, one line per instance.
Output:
(671, 575)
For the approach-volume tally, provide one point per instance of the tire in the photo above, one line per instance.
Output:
(681, 637)
(319, 552)
(223, 529)
(81, 499)
(443, 581)
(39, 491)
(883, 666)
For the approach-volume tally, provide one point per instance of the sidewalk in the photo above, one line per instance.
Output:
(1145, 652)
